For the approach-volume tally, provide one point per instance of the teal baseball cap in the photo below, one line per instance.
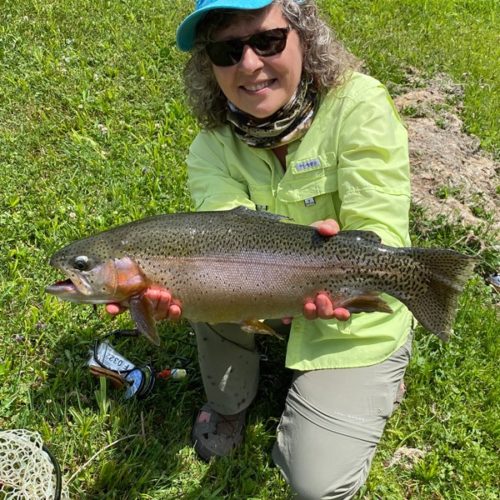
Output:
(186, 31)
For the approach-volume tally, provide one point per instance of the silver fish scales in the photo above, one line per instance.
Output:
(238, 265)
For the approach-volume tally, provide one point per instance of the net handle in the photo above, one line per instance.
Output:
(57, 470)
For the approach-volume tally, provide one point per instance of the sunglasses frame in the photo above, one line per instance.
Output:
(232, 50)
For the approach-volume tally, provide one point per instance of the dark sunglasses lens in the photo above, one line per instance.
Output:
(267, 43)
(225, 53)
(270, 42)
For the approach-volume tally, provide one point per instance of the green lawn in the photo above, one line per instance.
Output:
(93, 133)
(457, 37)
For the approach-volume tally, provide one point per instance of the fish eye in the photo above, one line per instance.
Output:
(81, 263)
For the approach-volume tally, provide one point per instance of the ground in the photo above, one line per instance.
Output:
(451, 175)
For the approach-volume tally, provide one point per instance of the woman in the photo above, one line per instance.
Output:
(290, 128)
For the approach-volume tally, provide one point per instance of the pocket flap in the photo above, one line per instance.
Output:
(308, 186)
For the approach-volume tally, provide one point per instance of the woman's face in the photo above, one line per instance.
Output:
(260, 85)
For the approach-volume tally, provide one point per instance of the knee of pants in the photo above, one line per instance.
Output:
(319, 481)
(316, 490)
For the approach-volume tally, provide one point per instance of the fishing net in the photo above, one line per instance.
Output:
(27, 469)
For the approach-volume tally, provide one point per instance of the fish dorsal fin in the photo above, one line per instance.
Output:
(248, 212)
(369, 236)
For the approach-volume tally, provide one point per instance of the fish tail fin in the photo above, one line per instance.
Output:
(439, 278)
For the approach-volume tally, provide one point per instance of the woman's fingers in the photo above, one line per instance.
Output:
(327, 227)
(162, 303)
(174, 312)
(323, 307)
(114, 309)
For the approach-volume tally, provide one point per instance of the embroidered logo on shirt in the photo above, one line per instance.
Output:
(309, 202)
(302, 166)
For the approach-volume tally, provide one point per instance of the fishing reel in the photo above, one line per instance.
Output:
(106, 361)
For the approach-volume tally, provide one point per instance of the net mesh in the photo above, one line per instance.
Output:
(26, 470)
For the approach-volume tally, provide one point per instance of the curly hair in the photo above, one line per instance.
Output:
(325, 61)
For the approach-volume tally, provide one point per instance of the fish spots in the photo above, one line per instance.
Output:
(233, 265)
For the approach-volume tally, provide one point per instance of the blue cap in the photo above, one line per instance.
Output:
(186, 31)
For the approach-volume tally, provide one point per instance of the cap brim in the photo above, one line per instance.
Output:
(186, 32)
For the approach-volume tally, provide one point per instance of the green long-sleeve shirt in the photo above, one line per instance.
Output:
(352, 165)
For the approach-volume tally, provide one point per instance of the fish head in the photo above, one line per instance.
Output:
(95, 275)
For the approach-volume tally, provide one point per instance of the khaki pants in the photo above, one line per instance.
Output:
(332, 421)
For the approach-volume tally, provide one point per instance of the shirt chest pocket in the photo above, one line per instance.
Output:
(312, 193)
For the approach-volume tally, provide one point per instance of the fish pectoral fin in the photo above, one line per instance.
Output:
(258, 327)
(363, 302)
(142, 313)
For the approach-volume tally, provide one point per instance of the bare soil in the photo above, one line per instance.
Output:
(451, 175)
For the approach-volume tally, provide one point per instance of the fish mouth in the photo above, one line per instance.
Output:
(62, 287)
(74, 292)
(65, 289)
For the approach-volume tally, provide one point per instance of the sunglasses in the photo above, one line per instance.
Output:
(265, 44)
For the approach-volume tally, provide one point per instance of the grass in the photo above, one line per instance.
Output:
(457, 37)
(93, 133)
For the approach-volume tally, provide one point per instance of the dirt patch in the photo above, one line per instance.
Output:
(451, 175)
(406, 457)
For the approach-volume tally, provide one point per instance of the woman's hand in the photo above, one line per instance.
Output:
(322, 305)
(164, 306)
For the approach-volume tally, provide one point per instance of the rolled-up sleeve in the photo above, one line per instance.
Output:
(373, 167)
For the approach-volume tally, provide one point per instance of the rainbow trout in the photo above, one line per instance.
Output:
(240, 265)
